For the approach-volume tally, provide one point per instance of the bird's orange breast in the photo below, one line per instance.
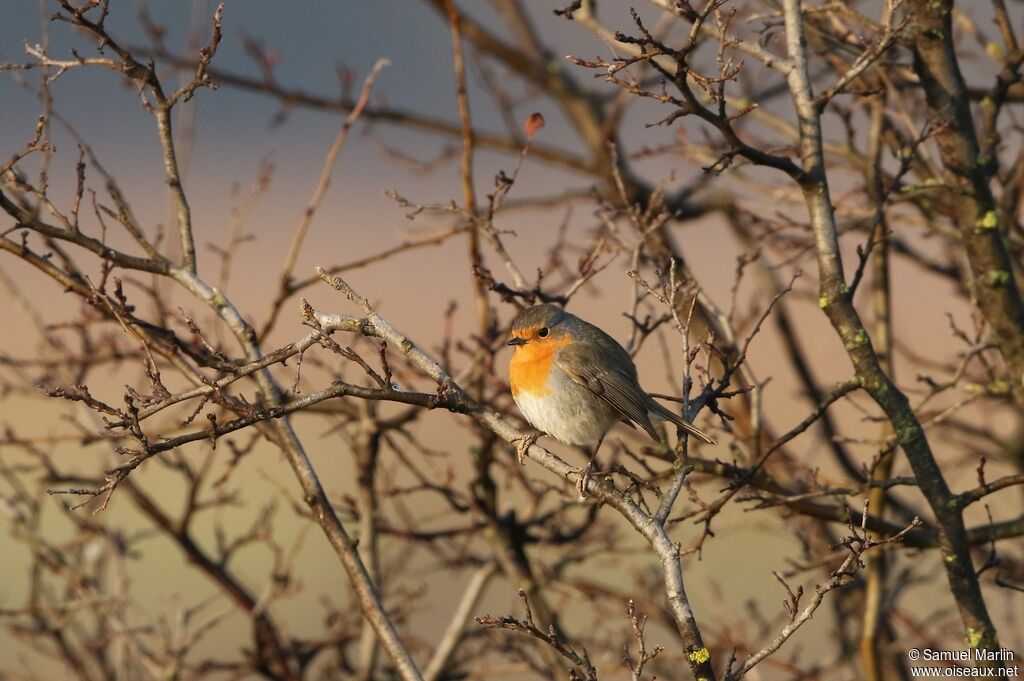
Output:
(531, 364)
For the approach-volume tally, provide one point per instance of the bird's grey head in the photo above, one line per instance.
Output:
(537, 323)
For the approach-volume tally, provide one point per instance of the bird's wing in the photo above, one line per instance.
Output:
(619, 388)
(582, 363)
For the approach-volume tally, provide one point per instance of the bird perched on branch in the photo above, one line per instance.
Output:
(573, 381)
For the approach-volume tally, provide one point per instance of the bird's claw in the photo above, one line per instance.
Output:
(524, 444)
(584, 480)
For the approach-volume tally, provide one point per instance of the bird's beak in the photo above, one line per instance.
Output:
(516, 341)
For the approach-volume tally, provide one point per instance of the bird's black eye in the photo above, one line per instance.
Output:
(543, 333)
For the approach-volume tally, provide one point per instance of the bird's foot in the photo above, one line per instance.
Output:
(584, 479)
(524, 444)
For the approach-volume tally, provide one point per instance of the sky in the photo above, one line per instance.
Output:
(236, 133)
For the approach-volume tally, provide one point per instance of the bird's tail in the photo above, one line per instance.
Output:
(664, 414)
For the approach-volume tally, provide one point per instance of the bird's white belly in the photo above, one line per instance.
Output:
(568, 413)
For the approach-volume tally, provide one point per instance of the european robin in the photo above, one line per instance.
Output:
(573, 381)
